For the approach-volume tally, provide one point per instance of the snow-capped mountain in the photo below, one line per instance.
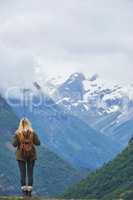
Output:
(106, 97)
(84, 113)
(103, 105)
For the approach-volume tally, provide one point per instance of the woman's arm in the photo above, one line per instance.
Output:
(36, 140)
(15, 141)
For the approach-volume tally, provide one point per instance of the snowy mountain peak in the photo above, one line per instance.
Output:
(77, 76)
(93, 94)
(73, 87)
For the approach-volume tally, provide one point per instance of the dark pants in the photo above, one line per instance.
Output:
(26, 168)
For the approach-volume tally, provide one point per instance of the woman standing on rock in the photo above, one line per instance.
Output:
(25, 140)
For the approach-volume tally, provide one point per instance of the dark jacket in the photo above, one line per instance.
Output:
(16, 143)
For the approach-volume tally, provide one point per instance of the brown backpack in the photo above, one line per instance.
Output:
(26, 145)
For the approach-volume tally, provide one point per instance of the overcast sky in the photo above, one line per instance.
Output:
(59, 37)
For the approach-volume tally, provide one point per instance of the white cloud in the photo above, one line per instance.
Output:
(65, 36)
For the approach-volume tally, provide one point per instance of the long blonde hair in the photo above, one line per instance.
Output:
(24, 127)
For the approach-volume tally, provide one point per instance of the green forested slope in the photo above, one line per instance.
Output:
(113, 181)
